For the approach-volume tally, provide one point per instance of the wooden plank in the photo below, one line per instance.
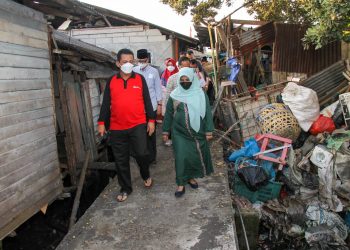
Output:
(52, 192)
(89, 119)
(49, 159)
(96, 111)
(9, 27)
(9, 73)
(222, 36)
(21, 128)
(74, 123)
(19, 61)
(95, 101)
(21, 96)
(242, 82)
(13, 108)
(94, 92)
(21, 10)
(249, 22)
(68, 139)
(15, 49)
(22, 40)
(20, 20)
(20, 140)
(82, 120)
(29, 197)
(15, 184)
(26, 154)
(21, 85)
(14, 118)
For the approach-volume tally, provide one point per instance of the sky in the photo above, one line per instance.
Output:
(153, 11)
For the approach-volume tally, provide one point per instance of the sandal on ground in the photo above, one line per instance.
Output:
(178, 194)
(148, 185)
(193, 185)
(122, 196)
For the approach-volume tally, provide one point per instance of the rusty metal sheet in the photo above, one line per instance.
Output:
(328, 82)
(289, 54)
(260, 36)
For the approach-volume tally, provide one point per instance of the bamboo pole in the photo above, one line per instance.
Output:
(213, 60)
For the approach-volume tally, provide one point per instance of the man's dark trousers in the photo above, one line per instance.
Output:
(124, 143)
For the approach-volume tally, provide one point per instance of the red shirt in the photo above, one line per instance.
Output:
(126, 103)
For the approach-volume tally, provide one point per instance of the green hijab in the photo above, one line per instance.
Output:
(193, 97)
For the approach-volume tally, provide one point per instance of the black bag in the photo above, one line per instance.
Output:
(253, 176)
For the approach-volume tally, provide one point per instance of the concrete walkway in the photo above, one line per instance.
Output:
(155, 219)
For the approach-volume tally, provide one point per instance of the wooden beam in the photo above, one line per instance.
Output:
(65, 52)
(249, 22)
(107, 166)
(68, 140)
(222, 36)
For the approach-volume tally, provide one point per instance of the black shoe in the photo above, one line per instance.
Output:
(194, 186)
(178, 194)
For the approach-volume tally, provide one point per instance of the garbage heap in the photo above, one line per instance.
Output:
(296, 171)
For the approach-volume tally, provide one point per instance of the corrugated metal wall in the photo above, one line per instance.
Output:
(289, 54)
(257, 37)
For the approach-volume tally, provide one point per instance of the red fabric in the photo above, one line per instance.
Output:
(126, 114)
(322, 124)
(166, 74)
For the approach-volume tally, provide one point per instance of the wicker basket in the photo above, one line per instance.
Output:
(277, 119)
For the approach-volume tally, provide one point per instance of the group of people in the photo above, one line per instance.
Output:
(131, 102)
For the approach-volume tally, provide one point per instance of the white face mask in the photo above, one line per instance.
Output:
(171, 68)
(127, 68)
(142, 65)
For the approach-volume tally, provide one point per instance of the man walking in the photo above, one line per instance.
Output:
(151, 75)
(128, 110)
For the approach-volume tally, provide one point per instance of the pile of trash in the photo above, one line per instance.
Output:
(296, 172)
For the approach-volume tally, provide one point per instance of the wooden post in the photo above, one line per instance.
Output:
(213, 61)
(80, 188)
(86, 99)
(68, 141)
(176, 56)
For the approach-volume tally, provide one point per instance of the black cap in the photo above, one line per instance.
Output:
(142, 54)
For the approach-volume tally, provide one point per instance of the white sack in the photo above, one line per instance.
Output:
(303, 103)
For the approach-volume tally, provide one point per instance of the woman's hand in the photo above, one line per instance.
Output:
(209, 137)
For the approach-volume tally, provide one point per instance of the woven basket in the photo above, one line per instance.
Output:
(277, 119)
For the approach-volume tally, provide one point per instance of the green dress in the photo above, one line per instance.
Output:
(191, 149)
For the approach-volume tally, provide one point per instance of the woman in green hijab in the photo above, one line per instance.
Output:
(188, 117)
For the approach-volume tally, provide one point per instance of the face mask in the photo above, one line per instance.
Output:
(171, 68)
(142, 65)
(186, 85)
(127, 68)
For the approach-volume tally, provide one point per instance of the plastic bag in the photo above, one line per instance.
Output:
(250, 148)
(253, 176)
(235, 68)
(319, 216)
(322, 124)
(303, 103)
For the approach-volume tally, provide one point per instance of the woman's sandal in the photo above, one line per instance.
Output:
(122, 196)
(193, 185)
(149, 185)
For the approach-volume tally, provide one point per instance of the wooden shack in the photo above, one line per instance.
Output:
(30, 177)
